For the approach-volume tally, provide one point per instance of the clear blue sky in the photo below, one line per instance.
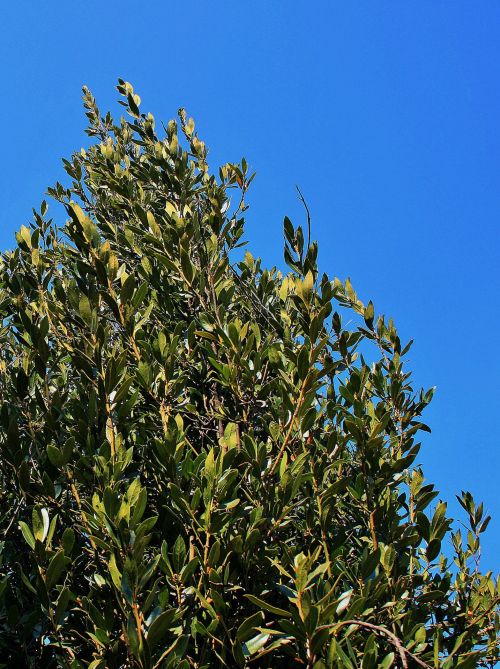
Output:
(386, 114)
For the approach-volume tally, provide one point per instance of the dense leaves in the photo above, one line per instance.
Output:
(205, 463)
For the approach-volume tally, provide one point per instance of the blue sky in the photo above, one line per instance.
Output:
(385, 113)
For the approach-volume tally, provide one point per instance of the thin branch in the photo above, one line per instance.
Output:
(298, 406)
(302, 199)
(402, 651)
(14, 516)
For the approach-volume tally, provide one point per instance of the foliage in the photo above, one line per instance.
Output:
(205, 463)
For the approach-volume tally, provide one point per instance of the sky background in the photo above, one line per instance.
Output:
(386, 114)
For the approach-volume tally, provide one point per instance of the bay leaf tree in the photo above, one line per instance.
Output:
(205, 462)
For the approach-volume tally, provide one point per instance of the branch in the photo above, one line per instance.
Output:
(276, 462)
(403, 652)
(302, 199)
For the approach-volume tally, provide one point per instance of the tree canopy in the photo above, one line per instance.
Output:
(206, 463)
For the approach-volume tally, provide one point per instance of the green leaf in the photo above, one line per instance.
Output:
(303, 364)
(134, 637)
(159, 627)
(288, 230)
(210, 471)
(369, 314)
(189, 569)
(84, 309)
(55, 456)
(343, 602)
(68, 540)
(56, 567)
(268, 607)
(155, 228)
(214, 553)
(25, 235)
(127, 289)
(41, 523)
(231, 432)
(179, 554)
(116, 576)
(248, 625)
(76, 212)
(433, 549)
(187, 267)
(387, 661)
(252, 646)
(305, 288)
(63, 600)
(133, 102)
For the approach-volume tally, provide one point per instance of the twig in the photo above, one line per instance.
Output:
(301, 197)
(402, 651)
(14, 516)
(290, 429)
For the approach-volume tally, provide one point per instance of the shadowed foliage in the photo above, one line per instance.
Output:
(205, 463)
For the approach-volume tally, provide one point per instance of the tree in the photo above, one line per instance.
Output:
(201, 464)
